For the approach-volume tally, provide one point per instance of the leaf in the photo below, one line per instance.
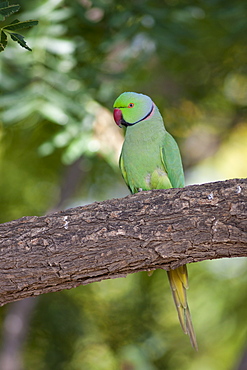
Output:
(3, 4)
(6, 9)
(20, 39)
(17, 25)
(3, 41)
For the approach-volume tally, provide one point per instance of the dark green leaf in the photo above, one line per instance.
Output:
(3, 41)
(20, 39)
(7, 11)
(17, 25)
(4, 4)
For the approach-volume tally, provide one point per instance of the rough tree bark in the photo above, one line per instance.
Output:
(149, 230)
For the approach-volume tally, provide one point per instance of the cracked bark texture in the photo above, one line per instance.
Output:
(145, 231)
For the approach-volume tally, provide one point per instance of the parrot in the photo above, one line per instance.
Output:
(150, 159)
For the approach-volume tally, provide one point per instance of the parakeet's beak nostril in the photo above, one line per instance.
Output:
(117, 114)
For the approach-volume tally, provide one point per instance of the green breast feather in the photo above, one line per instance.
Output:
(157, 167)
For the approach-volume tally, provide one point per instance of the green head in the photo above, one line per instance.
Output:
(131, 108)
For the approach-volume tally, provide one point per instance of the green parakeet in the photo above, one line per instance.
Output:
(150, 159)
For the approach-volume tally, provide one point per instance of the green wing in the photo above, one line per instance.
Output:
(171, 160)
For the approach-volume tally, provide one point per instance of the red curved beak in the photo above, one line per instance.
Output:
(117, 114)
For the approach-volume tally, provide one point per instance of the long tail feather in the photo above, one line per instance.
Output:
(178, 279)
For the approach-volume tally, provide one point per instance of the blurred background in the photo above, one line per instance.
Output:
(59, 148)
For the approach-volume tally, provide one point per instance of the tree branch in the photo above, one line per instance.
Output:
(149, 230)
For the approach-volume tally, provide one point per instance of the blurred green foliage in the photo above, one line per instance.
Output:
(190, 57)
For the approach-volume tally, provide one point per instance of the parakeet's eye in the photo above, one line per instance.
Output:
(131, 105)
